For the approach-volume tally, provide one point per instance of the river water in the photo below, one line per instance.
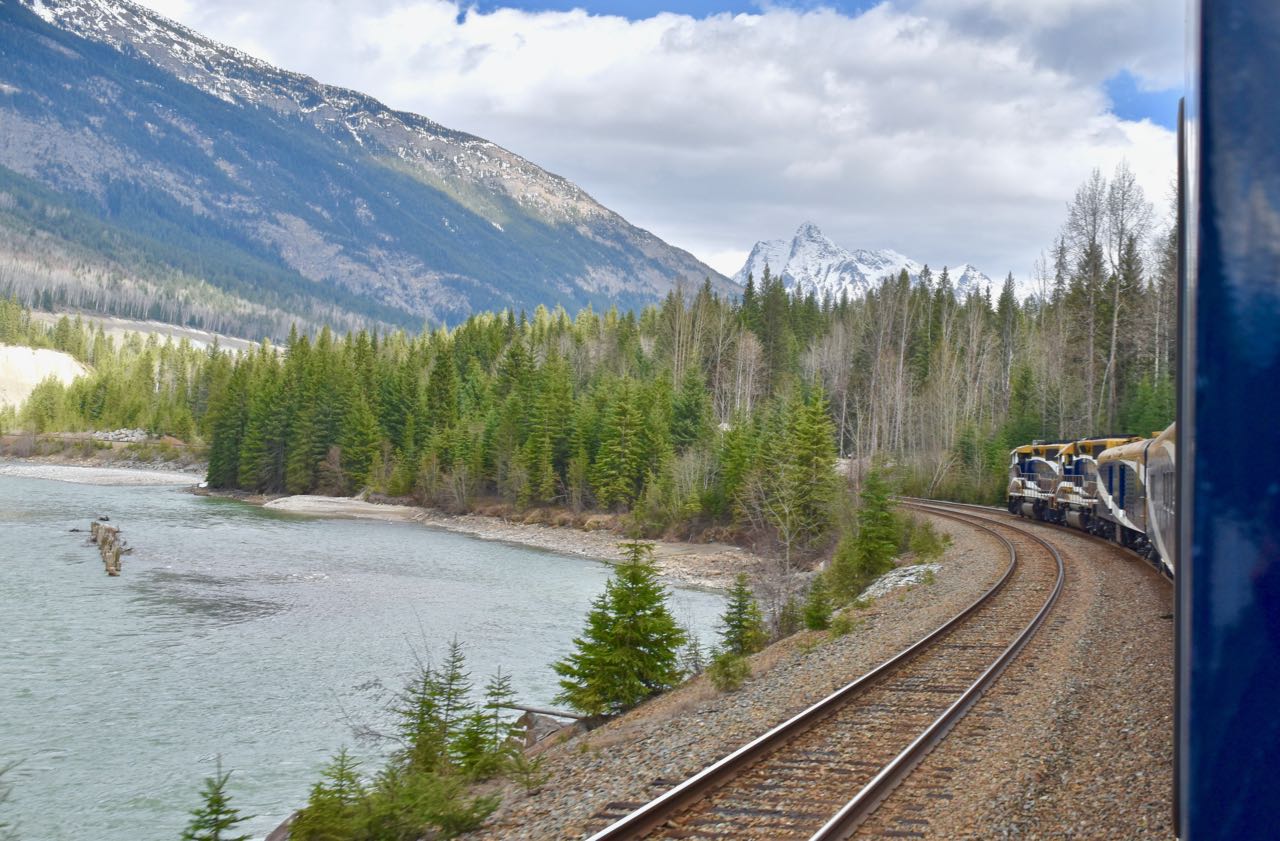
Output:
(245, 634)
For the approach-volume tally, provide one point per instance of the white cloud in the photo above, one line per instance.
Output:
(951, 130)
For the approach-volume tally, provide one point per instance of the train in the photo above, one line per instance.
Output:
(1118, 487)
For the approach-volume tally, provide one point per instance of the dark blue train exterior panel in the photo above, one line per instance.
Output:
(1228, 723)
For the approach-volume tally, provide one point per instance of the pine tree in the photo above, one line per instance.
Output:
(742, 625)
(454, 687)
(488, 739)
(336, 806)
(738, 452)
(868, 554)
(229, 414)
(799, 483)
(1024, 423)
(360, 439)
(261, 452)
(813, 456)
(215, 819)
(442, 391)
(629, 649)
(616, 472)
(691, 411)
(750, 309)
(817, 605)
(776, 333)
(419, 725)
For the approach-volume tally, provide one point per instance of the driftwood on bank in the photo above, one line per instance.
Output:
(110, 545)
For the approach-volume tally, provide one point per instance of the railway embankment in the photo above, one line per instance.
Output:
(639, 755)
(1073, 740)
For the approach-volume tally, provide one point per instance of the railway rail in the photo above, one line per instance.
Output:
(819, 774)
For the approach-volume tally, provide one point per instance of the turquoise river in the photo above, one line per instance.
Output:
(236, 632)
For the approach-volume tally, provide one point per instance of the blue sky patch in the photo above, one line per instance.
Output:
(1129, 102)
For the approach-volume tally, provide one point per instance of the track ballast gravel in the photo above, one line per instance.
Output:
(1072, 742)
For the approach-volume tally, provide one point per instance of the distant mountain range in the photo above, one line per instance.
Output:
(811, 262)
(206, 175)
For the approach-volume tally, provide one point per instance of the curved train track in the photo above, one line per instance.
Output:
(819, 774)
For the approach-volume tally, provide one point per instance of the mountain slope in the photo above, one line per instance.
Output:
(811, 262)
(170, 150)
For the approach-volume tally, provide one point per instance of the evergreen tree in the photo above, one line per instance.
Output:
(629, 649)
(420, 729)
(691, 411)
(750, 309)
(817, 606)
(215, 819)
(261, 462)
(230, 414)
(453, 683)
(617, 469)
(360, 440)
(799, 484)
(1024, 423)
(336, 807)
(442, 391)
(742, 625)
(867, 554)
(488, 739)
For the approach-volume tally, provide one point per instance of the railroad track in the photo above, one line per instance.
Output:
(818, 775)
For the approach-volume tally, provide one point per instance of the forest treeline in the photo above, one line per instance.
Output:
(699, 412)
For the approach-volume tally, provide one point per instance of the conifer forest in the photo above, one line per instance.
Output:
(699, 413)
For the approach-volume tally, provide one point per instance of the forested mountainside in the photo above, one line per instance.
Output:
(703, 410)
(146, 171)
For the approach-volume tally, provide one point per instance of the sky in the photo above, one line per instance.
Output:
(949, 130)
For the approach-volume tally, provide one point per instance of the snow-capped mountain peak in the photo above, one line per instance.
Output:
(811, 262)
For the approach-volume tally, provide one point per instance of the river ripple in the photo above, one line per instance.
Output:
(244, 633)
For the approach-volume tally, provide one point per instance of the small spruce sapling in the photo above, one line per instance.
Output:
(742, 625)
(817, 606)
(336, 804)
(215, 819)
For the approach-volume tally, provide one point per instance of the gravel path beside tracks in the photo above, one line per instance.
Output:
(637, 756)
(1074, 740)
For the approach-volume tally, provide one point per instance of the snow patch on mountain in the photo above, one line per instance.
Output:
(238, 78)
(810, 262)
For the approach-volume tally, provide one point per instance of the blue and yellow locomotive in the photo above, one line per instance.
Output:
(1117, 487)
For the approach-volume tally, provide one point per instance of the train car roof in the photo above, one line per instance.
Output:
(1107, 442)
(1125, 452)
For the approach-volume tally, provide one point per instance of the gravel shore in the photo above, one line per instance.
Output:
(92, 474)
(711, 565)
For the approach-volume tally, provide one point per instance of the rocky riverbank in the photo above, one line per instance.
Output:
(711, 565)
(96, 474)
(118, 450)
